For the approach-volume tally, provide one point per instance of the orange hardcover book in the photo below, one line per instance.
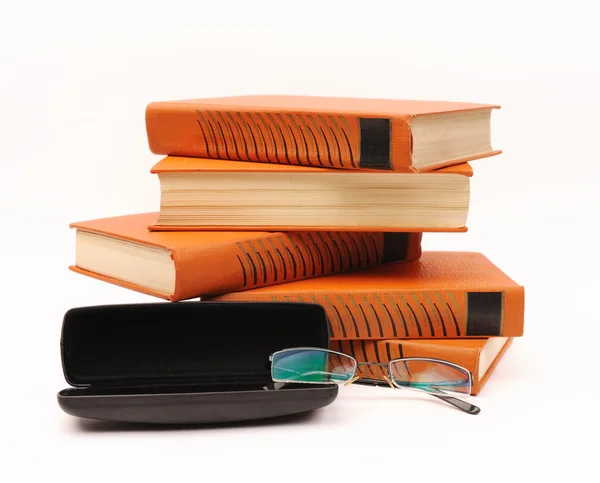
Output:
(479, 356)
(212, 194)
(182, 265)
(333, 132)
(441, 295)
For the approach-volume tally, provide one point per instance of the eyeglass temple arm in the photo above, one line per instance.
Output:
(457, 403)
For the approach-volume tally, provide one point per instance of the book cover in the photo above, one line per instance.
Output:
(334, 132)
(479, 356)
(182, 265)
(441, 295)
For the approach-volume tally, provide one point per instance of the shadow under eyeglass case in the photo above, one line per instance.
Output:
(189, 362)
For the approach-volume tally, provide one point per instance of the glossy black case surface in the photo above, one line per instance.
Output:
(188, 362)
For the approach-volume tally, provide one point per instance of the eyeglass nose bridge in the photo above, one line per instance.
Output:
(386, 375)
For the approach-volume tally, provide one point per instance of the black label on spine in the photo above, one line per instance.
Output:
(485, 313)
(375, 146)
(395, 246)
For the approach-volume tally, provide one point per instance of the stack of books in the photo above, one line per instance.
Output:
(322, 200)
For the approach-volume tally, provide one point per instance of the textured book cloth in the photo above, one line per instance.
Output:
(335, 132)
(183, 265)
(479, 356)
(441, 295)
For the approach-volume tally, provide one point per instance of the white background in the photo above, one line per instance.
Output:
(75, 78)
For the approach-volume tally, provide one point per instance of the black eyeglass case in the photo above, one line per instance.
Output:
(187, 362)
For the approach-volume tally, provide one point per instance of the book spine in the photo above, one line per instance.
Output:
(307, 139)
(412, 314)
(386, 350)
(286, 257)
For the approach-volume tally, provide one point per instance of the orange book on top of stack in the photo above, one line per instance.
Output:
(333, 132)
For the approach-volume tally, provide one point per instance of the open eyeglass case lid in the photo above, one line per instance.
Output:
(188, 362)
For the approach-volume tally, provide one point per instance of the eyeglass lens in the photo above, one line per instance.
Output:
(431, 376)
(311, 365)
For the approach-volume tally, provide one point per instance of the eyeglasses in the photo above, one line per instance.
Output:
(442, 379)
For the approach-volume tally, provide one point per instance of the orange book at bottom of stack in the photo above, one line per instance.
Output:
(479, 356)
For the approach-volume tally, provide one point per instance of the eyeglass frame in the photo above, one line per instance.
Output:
(454, 401)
